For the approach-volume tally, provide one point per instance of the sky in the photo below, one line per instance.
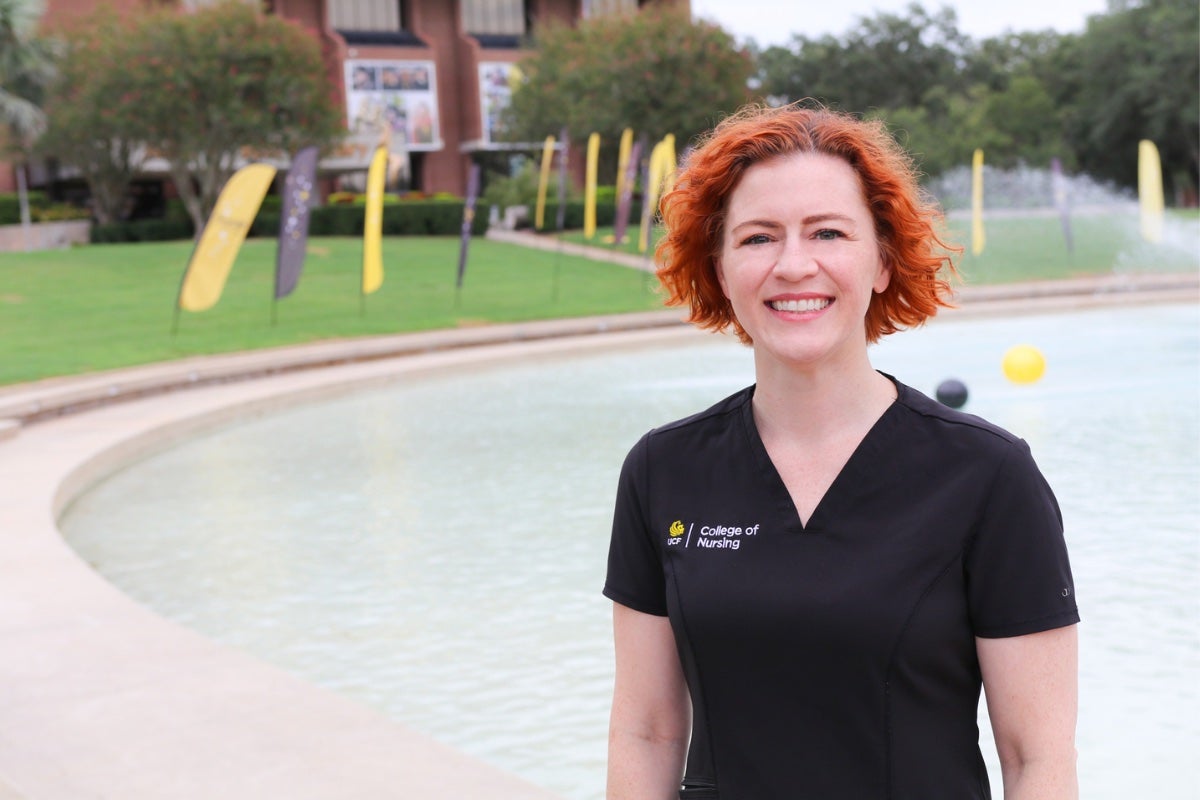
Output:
(771, 22)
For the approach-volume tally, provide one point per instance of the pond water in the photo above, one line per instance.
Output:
(436, 548)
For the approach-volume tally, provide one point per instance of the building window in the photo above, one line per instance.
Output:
(494, 17)
(600, 8)
(195, 5)
(365, 15)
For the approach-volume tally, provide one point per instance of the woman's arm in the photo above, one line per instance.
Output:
(651, 713)
(1031, 683)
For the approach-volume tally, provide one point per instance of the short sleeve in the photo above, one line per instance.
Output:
(1018, 575)
(635, 573)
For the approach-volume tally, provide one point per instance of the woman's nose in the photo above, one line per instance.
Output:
(796, 260)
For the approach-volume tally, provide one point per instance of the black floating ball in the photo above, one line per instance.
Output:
(952, 392)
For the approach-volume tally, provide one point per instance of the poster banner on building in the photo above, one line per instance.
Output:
(401, 95)
(372, 272)
(293, 221)
(496, 81)
(224, 232)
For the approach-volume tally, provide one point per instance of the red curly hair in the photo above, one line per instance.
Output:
(693, 213)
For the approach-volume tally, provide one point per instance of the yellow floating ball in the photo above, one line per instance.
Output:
(1024, 363)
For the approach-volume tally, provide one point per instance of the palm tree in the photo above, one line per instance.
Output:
(26, 67)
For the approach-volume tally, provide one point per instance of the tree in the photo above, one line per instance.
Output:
(887, 61)
(93, 124)
(221, 86)
(656, 71)
(26, 66)
(1131, 75)
(941, 93)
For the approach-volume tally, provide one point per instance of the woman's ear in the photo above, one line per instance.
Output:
(720, 272)
(884, 277)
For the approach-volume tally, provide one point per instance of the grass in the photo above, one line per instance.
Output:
(105, 306)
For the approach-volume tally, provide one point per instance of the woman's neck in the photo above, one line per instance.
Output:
(814, 405)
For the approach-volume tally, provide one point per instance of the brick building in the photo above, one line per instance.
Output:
(432, 72)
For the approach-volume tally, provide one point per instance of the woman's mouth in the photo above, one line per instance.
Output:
(800, 306)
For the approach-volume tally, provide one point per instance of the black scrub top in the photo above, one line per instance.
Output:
(837, 659)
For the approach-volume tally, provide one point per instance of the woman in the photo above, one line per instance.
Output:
(813, 578)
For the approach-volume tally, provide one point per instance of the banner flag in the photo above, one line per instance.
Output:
(669, 165)
(372, 271)
(1062, 201)
(625, 196)
(539, 216)
(293, 221)
(589, 191)
(563, 153)
(623, 154)
(226, 229)
(468, 218)
(1150, 191)
(659, 163)
(978, 236)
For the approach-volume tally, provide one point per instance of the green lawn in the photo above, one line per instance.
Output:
(105, 306)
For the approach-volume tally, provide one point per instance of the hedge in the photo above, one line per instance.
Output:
(41, 209)
(143, 230)
(407, 218)
(573, 218)
(10, 206)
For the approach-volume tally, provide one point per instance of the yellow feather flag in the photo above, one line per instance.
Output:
(372, 272)
(1150, 191)
(623, 151)
(226, 229)
(539, 216)
(589, 191)
(669, 165)
(658, 166)
(978, 236)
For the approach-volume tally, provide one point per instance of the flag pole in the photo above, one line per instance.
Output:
(561, 217)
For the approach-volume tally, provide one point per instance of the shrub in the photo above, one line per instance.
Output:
(142, 230)
(59, 212)
(10, 206)
(606, 213)
(432, 217)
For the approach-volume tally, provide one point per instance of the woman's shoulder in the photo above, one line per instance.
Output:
(952, 423)
(718, 413)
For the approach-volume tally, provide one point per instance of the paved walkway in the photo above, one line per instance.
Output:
(99, 697)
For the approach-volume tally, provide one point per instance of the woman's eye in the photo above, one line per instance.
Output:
(828, 234)
(758, 238)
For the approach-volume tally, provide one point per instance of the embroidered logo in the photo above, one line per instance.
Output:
(723, 537)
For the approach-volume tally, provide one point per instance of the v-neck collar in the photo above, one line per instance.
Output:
(857, 464)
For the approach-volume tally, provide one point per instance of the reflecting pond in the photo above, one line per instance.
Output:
(436, 548)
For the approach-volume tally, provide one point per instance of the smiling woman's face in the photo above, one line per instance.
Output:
(800, 260)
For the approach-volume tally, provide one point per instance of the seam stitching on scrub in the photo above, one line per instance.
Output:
(712, 750)
(887, 678)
